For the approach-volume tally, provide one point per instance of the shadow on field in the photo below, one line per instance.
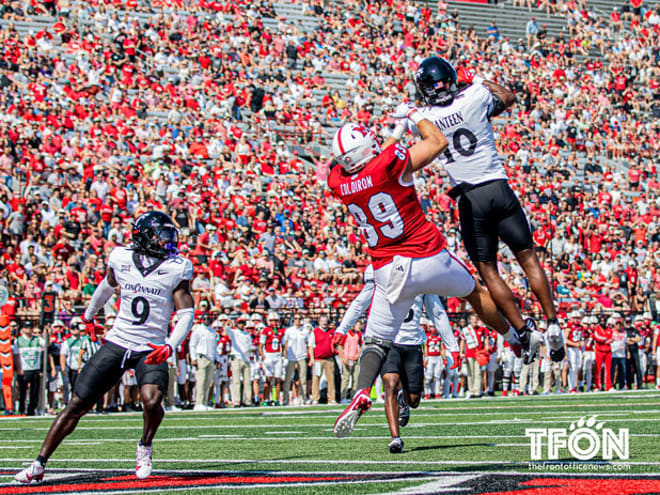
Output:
(441, 447)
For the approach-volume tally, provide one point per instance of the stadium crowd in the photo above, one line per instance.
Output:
(117, 108)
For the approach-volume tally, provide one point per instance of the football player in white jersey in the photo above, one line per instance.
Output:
(489, 210)
(153, 282)
(405, 359)
(403, 369)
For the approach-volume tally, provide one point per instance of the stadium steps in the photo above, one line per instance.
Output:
(605, 7)
(511, 21)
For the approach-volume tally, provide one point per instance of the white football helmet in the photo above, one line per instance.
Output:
(353, 146)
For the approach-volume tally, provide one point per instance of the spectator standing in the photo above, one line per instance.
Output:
(574, 344)
(530, 30)
(28, 352)
(202, 355)
(589, 356)
(241, 350)
(69, 352)
(291, 55)
(296, 340)
(619, 339)
(349, 353)
(221, 374)
(322, 360)
(472, 339)
(634, 369)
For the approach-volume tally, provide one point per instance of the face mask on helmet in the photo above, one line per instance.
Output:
(353, 146)
(436, 81)
(154, 234)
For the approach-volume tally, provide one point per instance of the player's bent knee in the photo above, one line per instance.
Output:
(415, 399)
(390, 381)
(77, 406)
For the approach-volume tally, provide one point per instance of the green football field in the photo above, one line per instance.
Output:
(292, 450)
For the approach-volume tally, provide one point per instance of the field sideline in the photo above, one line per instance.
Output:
(482, 443)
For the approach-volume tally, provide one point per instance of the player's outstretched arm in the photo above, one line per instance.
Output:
(425, 151)
(357, 307)
(101, 295)
(433, 143)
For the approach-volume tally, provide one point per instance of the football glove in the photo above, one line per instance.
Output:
(90, 325)
(456, 357)
(159, 354)
(407, 110)
(337, 339)
(465, 77)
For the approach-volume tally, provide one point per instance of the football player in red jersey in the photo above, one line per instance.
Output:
(433, 354)
(408, 252)
(221, 373)
(451, 380)
(588, 325)
(270, 350)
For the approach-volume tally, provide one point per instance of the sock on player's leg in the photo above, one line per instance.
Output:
(370, 363)
(512, 336)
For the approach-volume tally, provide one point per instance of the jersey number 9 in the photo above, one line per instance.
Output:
(140, 309)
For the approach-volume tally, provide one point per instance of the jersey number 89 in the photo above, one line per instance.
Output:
(382, 209)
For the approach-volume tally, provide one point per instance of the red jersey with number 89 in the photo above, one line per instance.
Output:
(386, 208)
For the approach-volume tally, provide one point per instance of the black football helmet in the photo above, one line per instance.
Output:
(436, 81)
(155, 234)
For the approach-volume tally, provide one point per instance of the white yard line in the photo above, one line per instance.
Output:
(456, 462)
(501, 421)
(98, 441)
(474, 408)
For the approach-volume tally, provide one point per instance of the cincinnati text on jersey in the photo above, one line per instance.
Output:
(355, 186)
(449, 121)
(141, 288)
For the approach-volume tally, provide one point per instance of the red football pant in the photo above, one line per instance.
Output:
(604, 357)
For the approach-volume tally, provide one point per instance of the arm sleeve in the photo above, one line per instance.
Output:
(181, 329)
(101, 296)
(438, 315)
(356, 308)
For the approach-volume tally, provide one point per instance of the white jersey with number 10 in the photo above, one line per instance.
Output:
(146, 305)
(471, 156)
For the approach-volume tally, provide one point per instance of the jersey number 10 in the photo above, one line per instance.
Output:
(457, 142)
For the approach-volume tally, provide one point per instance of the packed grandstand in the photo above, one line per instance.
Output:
(221, 113)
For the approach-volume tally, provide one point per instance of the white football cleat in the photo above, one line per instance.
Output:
(347, 419)
(34, 473)
(143, 461)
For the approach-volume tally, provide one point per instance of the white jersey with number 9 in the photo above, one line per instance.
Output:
(146, 305)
